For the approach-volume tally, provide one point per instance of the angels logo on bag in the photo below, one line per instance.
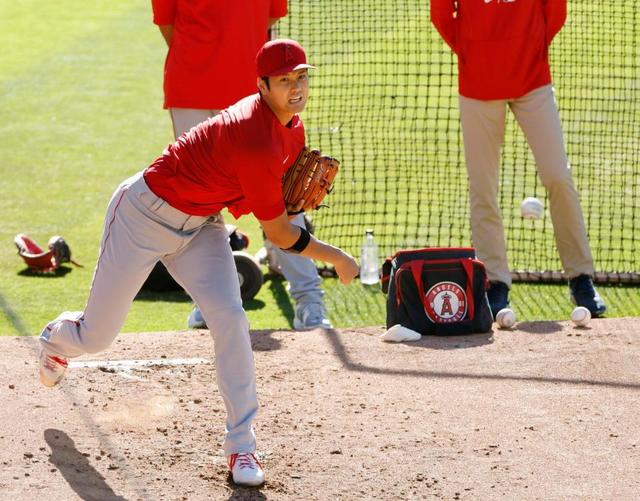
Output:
(446, 302)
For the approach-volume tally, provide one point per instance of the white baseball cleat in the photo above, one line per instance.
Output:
(245, 469)
(52, 368)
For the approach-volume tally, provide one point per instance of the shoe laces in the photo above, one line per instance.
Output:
(53, 363)
(312, 312)
(245, 460)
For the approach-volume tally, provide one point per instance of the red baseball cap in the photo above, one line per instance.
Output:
(281, 56)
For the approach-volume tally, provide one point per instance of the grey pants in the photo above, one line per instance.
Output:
(483, 126)
(300, 271)
(141, 229)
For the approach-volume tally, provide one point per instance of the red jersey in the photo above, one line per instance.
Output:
(234, 160)
(502, 45)
(211, 62)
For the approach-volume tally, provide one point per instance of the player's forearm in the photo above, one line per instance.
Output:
(167, 32)
(555, 13)
(322, 251)
(443, 18)
(281, 233)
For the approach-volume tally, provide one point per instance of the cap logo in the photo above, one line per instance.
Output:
(288, 55)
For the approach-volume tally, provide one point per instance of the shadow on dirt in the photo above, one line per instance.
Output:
(539, 327)
(262, 341)
(450, 342)
(74, 466)
(241, 493)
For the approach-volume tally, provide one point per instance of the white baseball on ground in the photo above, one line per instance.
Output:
(531, 208)
(580, 316)
(506, 318)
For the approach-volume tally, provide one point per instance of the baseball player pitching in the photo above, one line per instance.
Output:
(503, 61)
(170, 212)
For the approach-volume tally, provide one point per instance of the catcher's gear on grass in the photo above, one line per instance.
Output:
(310, 178)
(39, 260)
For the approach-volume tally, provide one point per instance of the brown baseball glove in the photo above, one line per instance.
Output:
(310, 178)
(42, 261)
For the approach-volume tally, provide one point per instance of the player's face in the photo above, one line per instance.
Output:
(287, 94)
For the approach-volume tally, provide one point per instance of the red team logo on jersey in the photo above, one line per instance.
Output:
(446, 302)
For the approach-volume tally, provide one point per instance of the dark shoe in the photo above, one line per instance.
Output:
(583, 293)
(498, 294)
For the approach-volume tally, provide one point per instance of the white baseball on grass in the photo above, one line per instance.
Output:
(531, 208)
(580, 316)
(506, 318)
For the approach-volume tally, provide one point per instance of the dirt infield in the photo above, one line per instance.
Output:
(543, 412)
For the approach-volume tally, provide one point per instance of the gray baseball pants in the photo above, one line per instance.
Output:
(141, 229)
(483, 127)
(300, 271)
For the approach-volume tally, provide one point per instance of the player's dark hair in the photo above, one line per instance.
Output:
(266, 81)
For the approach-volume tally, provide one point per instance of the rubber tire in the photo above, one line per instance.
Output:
(160, 280)
(249, 275)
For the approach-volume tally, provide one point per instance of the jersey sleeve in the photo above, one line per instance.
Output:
(261, 187)
(278, 8)
(443, 18)
(164, 11)
(555, 14)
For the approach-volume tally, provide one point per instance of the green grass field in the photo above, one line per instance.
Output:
(81, 94)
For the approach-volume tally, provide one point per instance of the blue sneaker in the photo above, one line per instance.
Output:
(583, 293)
(311, 316)
(196, 320)
(498, 295)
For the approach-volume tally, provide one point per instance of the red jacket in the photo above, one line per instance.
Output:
(211, 62)
(502, 45)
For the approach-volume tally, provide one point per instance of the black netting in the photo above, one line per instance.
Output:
(384, 101)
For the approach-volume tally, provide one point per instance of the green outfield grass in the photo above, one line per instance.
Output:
(81, 95)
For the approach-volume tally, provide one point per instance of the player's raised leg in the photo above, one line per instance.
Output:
(133, 240)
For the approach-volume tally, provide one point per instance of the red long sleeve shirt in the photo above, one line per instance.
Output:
(211, 62)
(502, 45)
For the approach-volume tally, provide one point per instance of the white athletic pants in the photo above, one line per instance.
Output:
(483, 126)
(141, 229)
(300, 271)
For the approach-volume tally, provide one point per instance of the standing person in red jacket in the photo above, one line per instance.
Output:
(210, 65)
(502, 48)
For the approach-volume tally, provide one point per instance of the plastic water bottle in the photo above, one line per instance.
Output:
(369, 268)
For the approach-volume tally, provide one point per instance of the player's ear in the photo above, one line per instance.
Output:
(263, 84)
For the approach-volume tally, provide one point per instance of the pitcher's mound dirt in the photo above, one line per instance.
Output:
(543, 412)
